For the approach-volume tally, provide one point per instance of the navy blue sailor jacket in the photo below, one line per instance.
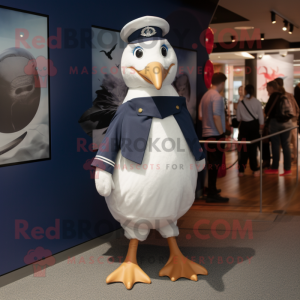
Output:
(130, 127)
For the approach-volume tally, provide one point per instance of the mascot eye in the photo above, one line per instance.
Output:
(164, 50)
(138, 52)
(44, 68)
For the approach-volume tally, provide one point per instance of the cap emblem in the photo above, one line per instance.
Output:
(148, 31)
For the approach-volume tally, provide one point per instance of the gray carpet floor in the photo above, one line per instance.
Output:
(266, 266)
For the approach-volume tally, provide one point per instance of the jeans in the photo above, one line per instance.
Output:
(284, 140)
(214, 161)
(266, 155)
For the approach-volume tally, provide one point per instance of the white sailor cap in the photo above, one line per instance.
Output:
(144, 29)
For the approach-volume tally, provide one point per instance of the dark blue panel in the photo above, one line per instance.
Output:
(61, 188)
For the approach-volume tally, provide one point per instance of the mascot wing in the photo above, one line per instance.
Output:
(112, 93)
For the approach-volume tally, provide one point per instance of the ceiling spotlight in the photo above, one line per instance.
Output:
(291, 28)
(232, 38)
(260, 55)
(273, 17)
(285, 26)
(262, 36)
(283, 53)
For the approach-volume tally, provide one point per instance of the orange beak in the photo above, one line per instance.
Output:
(154, 73)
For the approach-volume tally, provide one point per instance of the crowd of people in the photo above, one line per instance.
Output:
(281, 112)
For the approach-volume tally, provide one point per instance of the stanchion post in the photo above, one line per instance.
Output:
(261, 169)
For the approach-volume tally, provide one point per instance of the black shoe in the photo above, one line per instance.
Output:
(216, 198)
(206, 190)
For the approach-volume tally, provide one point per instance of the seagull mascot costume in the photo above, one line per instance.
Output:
(148, 162)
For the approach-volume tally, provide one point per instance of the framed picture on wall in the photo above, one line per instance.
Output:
(185, 82)
(269, 68)
(108, 86)
(24, 87)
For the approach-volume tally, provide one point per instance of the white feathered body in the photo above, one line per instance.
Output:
(162, 188)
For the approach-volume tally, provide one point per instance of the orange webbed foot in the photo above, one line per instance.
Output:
(129, 273)
(179, 266)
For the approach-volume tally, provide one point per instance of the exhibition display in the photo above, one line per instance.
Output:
(149, 185)
(24, 90)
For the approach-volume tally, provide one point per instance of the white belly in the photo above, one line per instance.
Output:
(162, 188)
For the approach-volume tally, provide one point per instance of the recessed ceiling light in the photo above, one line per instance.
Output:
(261, 55)
(246, 54)
(244, 28)
(283, 53)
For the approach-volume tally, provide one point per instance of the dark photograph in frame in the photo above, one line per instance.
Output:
(24, 87)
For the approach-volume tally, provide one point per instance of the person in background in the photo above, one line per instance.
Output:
(241, 96)
(250, 114)
(212, 115)
(297, 95)
(232, 120)
(295, 107)
(183, 87)
(266, 144)
(272, 106)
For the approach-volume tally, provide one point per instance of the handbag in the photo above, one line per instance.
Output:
(267, 122)
(235, 123)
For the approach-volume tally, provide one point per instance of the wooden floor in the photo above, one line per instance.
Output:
(279, 193)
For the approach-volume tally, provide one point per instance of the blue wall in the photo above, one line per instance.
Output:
(60, 188)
